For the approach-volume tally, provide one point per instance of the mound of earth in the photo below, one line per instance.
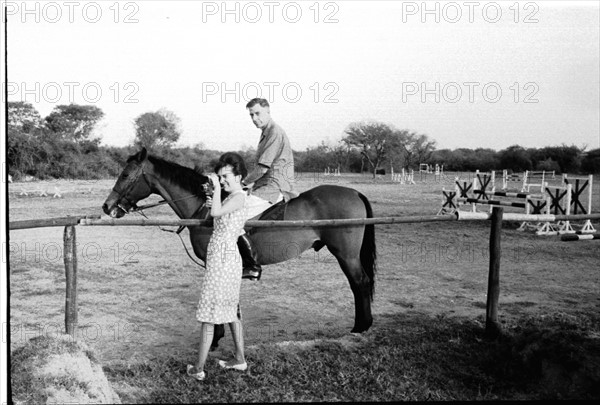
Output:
(56, 369)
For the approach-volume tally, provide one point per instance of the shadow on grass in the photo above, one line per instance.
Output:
(409, 356)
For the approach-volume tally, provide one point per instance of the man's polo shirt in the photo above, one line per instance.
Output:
(274, 151)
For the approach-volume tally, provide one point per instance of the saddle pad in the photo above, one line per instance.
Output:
(273, 213)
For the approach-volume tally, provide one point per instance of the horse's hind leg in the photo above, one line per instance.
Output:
(361, 288)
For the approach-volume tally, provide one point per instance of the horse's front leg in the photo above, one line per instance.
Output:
(219, 333)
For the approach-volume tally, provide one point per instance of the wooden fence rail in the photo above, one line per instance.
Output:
(458, 216)
(496, 216)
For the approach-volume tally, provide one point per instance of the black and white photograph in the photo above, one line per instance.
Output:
(300, 201)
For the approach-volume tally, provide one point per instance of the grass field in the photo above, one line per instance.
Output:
(138, 292)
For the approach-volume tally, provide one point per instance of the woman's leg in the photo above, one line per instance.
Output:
(237, 334)
(207, 331)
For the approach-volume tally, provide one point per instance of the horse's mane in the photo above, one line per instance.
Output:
(183, 176)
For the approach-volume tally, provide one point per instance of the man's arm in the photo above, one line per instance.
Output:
(271, 151)
(258, 171)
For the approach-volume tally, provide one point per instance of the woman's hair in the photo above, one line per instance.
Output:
(235, 161)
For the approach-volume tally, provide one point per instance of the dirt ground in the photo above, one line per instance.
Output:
(138, 289)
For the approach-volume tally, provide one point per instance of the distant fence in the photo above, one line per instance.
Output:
(492, 328)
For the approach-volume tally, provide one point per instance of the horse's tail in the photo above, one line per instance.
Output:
(368, 250)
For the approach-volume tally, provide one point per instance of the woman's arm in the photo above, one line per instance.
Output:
(233, 204)
(217, 208)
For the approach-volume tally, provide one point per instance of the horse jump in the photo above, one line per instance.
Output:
(541, 175)
(332, 172)
(511, 178)
(480, 192)
(581, 184)
(405, 177)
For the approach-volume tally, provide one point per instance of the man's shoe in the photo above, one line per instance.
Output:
(250, 274)
(252, 269)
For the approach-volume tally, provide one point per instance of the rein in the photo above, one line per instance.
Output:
(138, 210)
(161, 202)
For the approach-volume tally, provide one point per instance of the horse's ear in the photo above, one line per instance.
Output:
(143, 154)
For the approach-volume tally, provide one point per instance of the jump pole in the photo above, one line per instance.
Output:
(574, 237)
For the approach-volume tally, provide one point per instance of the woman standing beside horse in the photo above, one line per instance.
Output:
(220, 289)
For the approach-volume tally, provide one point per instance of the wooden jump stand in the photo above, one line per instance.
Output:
(555, 196)
(581, 184)
(542, 175)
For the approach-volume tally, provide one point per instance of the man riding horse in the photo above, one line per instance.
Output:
(270, 180)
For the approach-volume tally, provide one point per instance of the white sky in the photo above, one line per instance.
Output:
(371, 57)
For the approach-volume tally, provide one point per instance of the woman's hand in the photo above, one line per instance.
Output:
(215, 181)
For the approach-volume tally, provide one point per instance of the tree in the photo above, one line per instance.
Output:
(373, 139)
(591, 162)
(417, 148)
(340, 156)
(515, 158)
(567, 158)
(23, 116)
(156, 130)
(73, 121)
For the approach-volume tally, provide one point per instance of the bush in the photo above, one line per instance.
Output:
(590, 163)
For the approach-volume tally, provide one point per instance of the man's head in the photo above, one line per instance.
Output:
(260, 112)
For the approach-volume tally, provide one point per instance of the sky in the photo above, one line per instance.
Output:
(466, 74)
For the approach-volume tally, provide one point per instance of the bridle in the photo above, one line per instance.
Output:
(134, 208)
(122, 195)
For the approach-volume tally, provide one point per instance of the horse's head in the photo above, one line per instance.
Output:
(144, 175)
(131, 187)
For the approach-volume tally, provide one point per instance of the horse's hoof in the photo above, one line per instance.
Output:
(360, 329)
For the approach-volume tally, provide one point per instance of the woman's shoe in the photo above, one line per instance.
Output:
(240, 367)
(198, 376)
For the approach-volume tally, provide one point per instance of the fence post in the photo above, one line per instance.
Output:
(492, 326)
(71, 275)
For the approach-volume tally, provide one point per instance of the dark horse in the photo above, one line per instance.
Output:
(182, 188)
